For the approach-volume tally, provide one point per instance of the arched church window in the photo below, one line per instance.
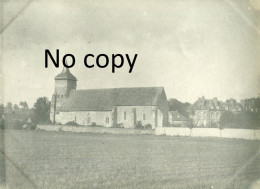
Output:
(61, 95)
(124, 115)
(107, 120)
(58, 96)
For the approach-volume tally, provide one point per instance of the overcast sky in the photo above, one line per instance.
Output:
(191, 47)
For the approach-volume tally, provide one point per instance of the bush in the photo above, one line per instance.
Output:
(73, 123)
(139, 125)
(215, 125)
(119, 125)
(32, 127)
(19, 124)
(45, 122)
(93, 124)
(148, 126)
(190, 124)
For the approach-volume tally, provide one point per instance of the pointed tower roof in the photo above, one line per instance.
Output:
(65, 74)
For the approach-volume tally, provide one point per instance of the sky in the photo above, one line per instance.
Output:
(190, 47)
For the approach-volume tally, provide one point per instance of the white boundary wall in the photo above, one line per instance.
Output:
(205, 132)
(238, 133)
(248, 134)
(171, 131)
(257, 134)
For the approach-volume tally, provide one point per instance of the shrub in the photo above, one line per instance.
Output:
(73, 123)
(190, 124)
(32, 127)
(215, 125)
(93, 124)
(148, 126)
(19, 124)
(139, 125)
(45, 122)
(120, 125)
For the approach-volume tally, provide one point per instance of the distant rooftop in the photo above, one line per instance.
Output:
(207, 104)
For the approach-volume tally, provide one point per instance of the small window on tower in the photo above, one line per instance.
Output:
(58, 96)
(143, 116)
(61, 96)
(75, 118)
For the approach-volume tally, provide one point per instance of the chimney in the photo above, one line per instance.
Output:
(203, 99)
(215, 100)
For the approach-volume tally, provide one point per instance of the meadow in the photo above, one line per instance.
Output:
(41, 159)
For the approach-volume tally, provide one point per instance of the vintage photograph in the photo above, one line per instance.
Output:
(130, 94)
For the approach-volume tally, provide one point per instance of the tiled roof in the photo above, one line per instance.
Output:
(232, 106)
(106, 99)
(176, 116)
(65, 74)
(207, 104)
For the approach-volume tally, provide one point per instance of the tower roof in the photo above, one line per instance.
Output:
(65, 74)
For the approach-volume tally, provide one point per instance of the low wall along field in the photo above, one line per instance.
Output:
(248, 134)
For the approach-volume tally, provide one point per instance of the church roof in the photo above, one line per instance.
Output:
(107, 99)
(65, 74)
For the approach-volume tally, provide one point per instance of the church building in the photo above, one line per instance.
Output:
(107, 107)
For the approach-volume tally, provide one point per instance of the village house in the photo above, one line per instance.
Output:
(107, 107)
(177, 119)
(206, 112)
(252, 104)
(233, 106)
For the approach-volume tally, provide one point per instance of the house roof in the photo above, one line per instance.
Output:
(65, 74)
(207, 104)
(233, 106)
(176, 116)
(106, 99)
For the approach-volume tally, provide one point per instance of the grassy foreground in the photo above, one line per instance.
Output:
(39, 159)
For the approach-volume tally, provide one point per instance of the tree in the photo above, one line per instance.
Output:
(42, 109)
(23, 105)
(228, 119)
(249, 120)
(175, 105)
(2, 109)
(16, 107)
(9, 105)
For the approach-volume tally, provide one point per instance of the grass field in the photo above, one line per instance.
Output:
(39, 159)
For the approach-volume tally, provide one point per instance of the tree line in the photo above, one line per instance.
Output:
(40, 112)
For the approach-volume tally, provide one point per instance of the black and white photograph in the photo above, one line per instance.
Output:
(150, 94)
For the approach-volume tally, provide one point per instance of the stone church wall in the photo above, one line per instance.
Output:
(102, 118)
(130, 115)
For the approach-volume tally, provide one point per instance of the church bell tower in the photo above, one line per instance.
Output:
(64, 83)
